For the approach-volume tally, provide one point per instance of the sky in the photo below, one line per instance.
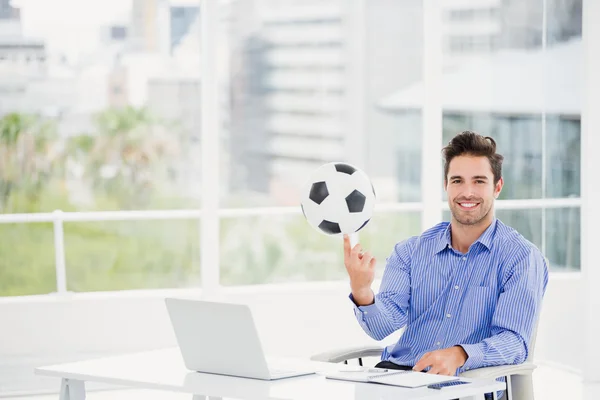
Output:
(70, 26)
(73, 26)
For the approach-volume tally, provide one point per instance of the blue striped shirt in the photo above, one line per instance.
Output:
(486, 300)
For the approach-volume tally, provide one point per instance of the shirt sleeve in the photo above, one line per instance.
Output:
(514, 318)
(390, 309)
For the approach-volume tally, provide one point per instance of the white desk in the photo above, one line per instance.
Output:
(164, 370)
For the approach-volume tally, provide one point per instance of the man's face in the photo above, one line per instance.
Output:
(471, 189)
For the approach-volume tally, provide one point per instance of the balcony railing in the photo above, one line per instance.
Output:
(58, 217)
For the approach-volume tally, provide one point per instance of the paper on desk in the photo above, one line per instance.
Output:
(408, 379)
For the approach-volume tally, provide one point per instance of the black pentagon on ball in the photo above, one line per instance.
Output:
(363, 225)
(329, 227)
(345, 168)
(318, 192)
(355, 201)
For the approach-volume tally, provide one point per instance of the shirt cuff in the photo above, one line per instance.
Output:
(474, 356)
(366, 312)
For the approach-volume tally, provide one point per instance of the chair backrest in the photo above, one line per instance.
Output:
(535, 327)
(533, 337)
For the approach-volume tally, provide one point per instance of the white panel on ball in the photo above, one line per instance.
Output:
(338, 198)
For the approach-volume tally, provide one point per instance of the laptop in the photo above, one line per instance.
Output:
(221, 338)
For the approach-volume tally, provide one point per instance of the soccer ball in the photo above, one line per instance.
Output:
(338, 199)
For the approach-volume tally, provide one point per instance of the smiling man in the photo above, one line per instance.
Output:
(468, 292)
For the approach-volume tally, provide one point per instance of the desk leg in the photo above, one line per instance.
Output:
(71, 389)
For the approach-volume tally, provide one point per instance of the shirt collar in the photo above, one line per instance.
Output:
(488, 235)
(445, 239)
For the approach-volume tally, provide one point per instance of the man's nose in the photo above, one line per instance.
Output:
(469, 190)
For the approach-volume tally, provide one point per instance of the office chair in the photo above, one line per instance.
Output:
(519, 379)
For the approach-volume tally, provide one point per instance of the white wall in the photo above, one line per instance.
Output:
(293, 320)
(561, 323)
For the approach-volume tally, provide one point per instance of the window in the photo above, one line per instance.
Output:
(294, 103)
(303, 93)
(524, 94)
(301, 84)
(102, 134)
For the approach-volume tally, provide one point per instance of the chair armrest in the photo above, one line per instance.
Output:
(349, 353)
(500, 371)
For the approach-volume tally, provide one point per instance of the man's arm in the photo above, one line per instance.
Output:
(514, 318)
(389, 311)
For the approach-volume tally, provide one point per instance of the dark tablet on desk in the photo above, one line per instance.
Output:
(442, 385)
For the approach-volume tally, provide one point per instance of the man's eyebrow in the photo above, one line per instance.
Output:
(482, 177)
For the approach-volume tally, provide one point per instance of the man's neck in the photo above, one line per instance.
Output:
(463, 236)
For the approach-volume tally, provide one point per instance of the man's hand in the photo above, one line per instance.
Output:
(443, 362)
(361, 270)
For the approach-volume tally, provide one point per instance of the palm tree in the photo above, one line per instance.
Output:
(29, 156)
(130, 155)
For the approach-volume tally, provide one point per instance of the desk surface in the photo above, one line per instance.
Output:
(164, 370)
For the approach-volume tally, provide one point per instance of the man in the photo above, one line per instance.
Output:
(469, 291)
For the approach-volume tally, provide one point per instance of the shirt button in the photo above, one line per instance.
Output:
(456, 287)
(438, 343)
(365, 312)
(448, 315)
(464, 258)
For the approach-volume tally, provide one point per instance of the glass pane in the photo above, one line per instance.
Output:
(107, 121)
(563, 21)
(563, 92)
(563, 238)
(299, 85)
(527, 222)
(385, 230)
(446, 215)
(27, 261)
(394, 34)
(270, 249)
(563, 157)
(519, 140)
(488, 51)
(285, 248)
(116, 255)
(502, 79)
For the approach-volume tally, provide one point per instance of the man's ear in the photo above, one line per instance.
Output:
(498, 187)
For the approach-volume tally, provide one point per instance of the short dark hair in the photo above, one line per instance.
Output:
(473, 144)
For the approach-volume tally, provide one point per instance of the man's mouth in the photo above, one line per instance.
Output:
(468, 206)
